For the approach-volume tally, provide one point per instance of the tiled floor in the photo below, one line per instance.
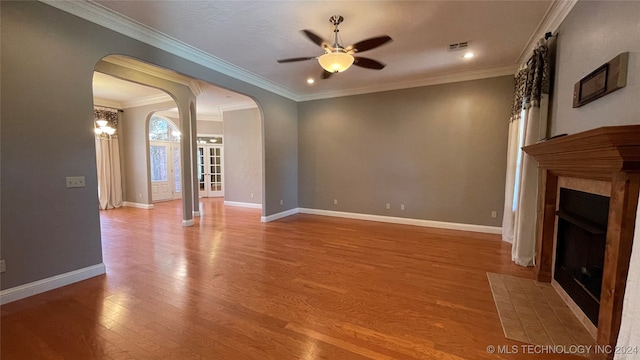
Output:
(534, 313)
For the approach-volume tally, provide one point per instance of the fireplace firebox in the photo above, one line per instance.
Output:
(580, 248)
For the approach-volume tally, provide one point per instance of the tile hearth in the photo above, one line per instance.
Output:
(534, 313)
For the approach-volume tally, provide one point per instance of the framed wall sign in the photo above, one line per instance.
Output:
(607, 78)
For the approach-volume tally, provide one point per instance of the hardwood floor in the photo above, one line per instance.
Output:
(303, 287)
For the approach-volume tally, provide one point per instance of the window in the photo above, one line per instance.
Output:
(161, 129)
(158, 163)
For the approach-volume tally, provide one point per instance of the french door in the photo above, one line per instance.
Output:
(165, 170)
(210, 171)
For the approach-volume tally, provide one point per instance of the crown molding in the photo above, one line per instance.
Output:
(557, 12)
(173, 113)
(210, 118)
(475, 74)
(162, 98)
(148, 100)
(102, 16)
(237, 106)
(108, 103)
(153, 70)
(194, 85)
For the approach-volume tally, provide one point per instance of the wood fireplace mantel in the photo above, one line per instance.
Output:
(610, 154)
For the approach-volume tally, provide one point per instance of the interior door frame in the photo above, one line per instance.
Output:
(170, 145)
(222, 171)
(177, 194)
(171, 171)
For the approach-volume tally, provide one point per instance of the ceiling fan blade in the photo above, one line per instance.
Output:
(368, 63)
(326, 74)
(315, 38)
(369, 44)
(296, 59)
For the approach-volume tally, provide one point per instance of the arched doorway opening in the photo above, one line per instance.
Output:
(164, 159)
(193, 120)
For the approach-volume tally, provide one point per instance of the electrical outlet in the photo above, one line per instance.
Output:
(494, 214)
(388, 206)
(402, 207)
(281, 202)
(335, 201)
(252, 195)
(3, 266)
(75, 181)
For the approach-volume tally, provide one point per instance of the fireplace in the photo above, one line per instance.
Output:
(608, 159)
(580, 246)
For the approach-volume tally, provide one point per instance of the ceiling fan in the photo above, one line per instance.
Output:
(337, 58)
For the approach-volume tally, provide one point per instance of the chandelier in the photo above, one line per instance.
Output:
(106, 121)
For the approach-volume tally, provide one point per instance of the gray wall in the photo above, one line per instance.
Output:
(209, 127)
(280, 151)
(440, 150)
(48, 58)
(593, 33)
(242, 156)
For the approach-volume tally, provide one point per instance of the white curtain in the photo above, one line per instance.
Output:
(108, 164)
(514, 159)
(526, 126)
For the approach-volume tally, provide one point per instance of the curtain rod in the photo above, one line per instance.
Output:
(107, 107)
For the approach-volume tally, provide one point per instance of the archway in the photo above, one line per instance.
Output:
(164, 159)
(133, 70)
(186, 116)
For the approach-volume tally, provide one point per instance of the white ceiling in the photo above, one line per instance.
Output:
(251, 35)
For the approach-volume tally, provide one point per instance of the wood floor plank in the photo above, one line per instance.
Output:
(303, 287)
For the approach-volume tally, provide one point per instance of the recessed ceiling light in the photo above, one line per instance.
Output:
(468, 55)
(310, 81)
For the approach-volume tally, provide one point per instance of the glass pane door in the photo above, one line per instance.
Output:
(177, 186)
(161, 183)
(158, 163)
(201, 172)
(210, 170)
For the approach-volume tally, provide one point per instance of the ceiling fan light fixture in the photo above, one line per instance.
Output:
(338, 58)
(336, 61)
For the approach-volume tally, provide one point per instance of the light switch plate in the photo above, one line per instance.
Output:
(75, 181)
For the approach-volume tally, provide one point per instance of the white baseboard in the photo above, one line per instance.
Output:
(189, 222)
(243, 204)
(196, 213)
(405, 221)
(279, 215)
(138, 205)
(54, 282)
